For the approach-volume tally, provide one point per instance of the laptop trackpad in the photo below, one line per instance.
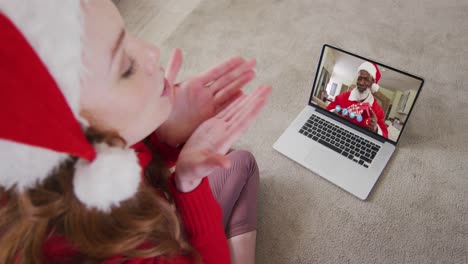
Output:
(321, 157)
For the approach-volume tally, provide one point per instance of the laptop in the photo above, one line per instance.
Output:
(353, 120)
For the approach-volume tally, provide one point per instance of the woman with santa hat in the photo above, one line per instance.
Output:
(90, 124)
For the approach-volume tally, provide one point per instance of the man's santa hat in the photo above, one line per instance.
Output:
(374, 71)
(40, 70)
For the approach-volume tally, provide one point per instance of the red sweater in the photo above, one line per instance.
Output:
(200, 213)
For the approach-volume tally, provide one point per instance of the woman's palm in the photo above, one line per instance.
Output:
(206, 148)
(203, 96)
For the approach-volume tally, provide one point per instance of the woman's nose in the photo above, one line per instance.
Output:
(153, 55)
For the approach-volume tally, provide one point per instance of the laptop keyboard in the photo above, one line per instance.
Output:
(340, 140)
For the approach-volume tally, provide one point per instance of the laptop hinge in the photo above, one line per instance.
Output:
(352, 125)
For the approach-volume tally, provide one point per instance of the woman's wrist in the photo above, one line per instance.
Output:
(184, 185)
(169, 135)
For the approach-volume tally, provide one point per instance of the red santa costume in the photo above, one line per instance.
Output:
(352, 102)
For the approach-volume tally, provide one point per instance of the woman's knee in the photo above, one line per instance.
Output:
(246, 160)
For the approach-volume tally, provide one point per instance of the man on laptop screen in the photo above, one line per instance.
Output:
(359, 105)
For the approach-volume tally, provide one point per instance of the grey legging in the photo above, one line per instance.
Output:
(236, 190)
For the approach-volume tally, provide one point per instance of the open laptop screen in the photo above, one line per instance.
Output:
(368, 94)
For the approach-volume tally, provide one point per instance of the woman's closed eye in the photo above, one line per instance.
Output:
(130, 69)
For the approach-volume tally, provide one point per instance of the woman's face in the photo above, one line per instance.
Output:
(123, 88)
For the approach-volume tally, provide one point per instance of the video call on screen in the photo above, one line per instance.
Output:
(344, 87)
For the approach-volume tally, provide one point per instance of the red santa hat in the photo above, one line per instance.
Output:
(40, 70)
(374, 71)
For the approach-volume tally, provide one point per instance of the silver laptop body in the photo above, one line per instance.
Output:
(319, 139)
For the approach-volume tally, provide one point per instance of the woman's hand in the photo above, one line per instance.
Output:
(206, 148)
(202, 96)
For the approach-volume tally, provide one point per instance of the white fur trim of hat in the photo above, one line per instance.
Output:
(54, 29)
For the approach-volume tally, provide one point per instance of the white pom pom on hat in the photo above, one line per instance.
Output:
(40, 71)
(92, 181)
(374, 71)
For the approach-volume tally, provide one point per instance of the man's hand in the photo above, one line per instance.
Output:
(372, 124)
(202, 96)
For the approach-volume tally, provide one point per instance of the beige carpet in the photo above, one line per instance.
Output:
(418, 212)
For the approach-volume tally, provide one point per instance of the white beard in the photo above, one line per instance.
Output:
(362, 96)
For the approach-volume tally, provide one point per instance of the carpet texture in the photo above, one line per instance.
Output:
(418, 211)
